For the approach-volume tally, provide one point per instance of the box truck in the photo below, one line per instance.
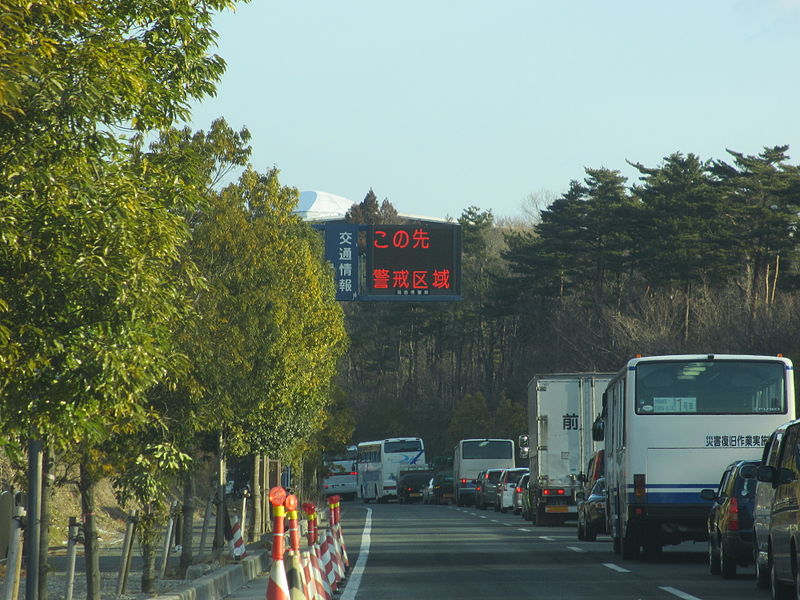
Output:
(559, 444)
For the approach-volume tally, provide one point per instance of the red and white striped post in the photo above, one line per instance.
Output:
(277, 586)
(238, 549)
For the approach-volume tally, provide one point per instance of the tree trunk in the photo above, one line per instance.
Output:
(256, 529)
(148, 560)
(188, 522)
(88, 485)
(44, 533)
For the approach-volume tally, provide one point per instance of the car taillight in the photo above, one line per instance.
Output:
(733, 515)
(354, 473)
(639, 485)
(478, 488)
(519, 490)
(464, 480)
(553, 492)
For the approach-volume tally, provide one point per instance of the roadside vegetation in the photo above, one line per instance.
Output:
(696, 255)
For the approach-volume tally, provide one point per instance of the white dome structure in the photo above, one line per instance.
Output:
(322, 206)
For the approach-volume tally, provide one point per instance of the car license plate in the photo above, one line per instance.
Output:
(415, 494)
(557, 509)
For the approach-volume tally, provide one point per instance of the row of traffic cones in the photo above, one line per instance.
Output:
(316, 573)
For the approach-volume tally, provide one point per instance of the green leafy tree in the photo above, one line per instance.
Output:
(761, 207)
(88, 290)
(680, 237)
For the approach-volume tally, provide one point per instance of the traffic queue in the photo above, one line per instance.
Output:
(670, 449)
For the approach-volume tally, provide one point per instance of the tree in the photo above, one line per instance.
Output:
(761, 207)
(369, 212)
(88, 289)
(680, 238)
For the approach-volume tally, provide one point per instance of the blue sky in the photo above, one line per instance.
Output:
(438, 105)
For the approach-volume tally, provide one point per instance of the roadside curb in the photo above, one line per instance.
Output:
(222, 582)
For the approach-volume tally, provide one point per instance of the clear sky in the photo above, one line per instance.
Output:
(438, 105)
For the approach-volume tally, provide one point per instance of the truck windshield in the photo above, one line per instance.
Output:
(710, 387)
(487, 449)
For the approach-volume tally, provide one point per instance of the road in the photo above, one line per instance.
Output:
(443, 552)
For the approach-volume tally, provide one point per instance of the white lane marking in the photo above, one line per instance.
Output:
(351, 589)
(483, 516)
(523, 529)
(575, 549)
(616, 568)
(508, 524)
(494, 521)
(678, 593)
(547, 538)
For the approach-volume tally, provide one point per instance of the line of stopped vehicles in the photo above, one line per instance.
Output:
(669, 449)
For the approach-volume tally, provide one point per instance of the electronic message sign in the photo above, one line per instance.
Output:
(420, 261)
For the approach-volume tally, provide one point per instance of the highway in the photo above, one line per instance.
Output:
(444, 552)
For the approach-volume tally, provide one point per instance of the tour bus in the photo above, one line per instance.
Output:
(379, 464)
(671, 424)
(339, 474)
(472, 456)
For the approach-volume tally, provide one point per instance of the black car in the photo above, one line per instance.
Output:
(730, 521)
(409, 487)
(443, 487)
(486, 487)
(592, 512)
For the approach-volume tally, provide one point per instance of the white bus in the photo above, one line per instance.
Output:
(339, 475)
(472, 456)
(671, 424)
(380, 462)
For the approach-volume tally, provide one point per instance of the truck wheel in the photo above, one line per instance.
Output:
(629, 547)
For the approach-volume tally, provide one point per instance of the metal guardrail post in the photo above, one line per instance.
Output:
(127, 552)
(14, 563)
(167, 542)
(73, 539)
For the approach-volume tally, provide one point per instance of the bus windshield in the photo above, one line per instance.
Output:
(710, 387)
(479, 449)
(402, 446)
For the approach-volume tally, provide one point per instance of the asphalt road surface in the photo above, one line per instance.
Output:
(425, 552)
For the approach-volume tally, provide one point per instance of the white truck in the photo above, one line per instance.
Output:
(559, 444)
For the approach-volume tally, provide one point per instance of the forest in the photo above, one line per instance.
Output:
(694, 256)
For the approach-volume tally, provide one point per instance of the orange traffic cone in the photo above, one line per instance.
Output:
(295, 571)
(338, 535)
(336, 552)
(310, 587)
(321, 587)
(277, 586)
(328, 563)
